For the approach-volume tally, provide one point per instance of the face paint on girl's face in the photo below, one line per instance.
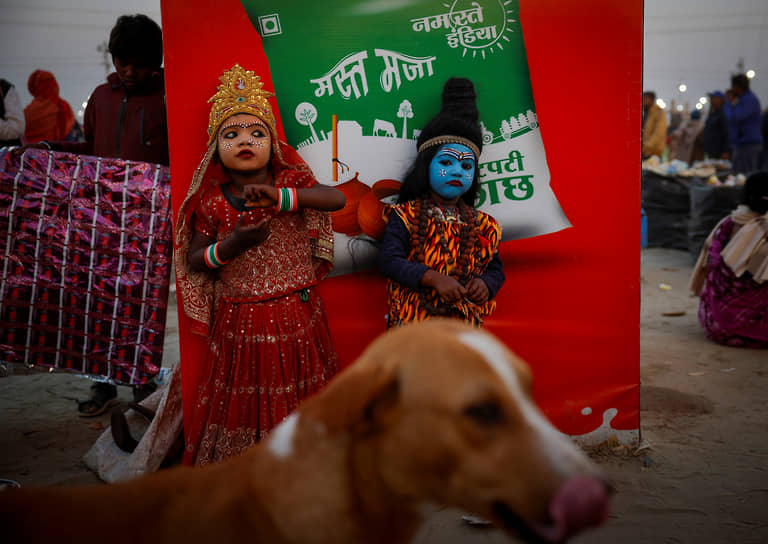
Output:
(452, 170)
(244, 143)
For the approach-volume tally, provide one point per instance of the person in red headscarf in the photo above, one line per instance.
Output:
(48, 116)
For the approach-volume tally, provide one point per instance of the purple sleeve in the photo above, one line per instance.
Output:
(395, 247)
(493, 275)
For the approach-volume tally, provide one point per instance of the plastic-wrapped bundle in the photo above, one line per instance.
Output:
(86, 252)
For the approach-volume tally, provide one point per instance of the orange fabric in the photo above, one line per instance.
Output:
(47, 117)
(405, 304)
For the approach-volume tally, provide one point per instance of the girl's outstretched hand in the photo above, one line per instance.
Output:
(246, 236)
(477, 291)
(449, 289)
(260, 196)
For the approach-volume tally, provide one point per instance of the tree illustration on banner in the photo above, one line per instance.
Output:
(306, 114)
(405, 112)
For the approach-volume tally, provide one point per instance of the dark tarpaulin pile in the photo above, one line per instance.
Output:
(86, 245)
(709, 204)
(666, 202)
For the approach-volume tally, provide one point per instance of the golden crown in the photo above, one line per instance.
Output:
(240, 92)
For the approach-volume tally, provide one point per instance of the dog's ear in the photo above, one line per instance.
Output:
(357, 399)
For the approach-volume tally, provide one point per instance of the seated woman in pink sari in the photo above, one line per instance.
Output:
(731, 275)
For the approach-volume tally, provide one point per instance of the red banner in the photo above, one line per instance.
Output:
(570, 304)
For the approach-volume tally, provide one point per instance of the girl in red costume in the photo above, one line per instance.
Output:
(253, 239)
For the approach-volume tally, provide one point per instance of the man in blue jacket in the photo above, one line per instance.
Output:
(744, 120)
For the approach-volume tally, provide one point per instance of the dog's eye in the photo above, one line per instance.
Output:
(486, 413)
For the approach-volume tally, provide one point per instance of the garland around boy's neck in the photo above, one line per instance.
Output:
(427, 209)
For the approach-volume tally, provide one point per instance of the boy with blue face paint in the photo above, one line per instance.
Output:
(440, 253)
(451, 172)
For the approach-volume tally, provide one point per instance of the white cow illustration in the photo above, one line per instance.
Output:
(386, 126)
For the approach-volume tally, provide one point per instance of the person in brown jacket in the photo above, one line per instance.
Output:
(654, 126)
(125, 117)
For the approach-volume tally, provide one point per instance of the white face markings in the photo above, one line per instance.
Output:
(231, 131)
(242, 125)
(561, 452)
(244, 143)
(281, 439)
(458, 154)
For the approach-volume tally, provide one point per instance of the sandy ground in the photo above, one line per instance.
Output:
(700, 475)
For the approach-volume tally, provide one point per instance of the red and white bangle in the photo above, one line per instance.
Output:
(287, 200)
(211, 256)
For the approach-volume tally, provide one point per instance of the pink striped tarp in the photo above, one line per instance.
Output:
(86, 257)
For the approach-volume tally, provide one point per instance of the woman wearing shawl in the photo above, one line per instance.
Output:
(48, 116)
(731, 275)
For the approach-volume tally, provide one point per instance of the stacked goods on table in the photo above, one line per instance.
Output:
(86, 245)
(699, 169)
(729, 180)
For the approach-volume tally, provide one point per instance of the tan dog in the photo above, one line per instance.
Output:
(432, 414)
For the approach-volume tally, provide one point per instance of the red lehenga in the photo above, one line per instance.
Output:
(269, 344)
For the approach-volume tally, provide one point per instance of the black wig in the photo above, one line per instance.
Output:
(458, 117)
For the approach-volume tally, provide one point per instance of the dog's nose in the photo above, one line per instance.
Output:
(580, 502)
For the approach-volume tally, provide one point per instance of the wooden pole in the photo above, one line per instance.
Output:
(334, 127)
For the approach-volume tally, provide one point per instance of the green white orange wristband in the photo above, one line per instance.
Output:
(287, 200)
(211, 256)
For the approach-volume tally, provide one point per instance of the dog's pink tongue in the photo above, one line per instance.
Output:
(580, 503)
